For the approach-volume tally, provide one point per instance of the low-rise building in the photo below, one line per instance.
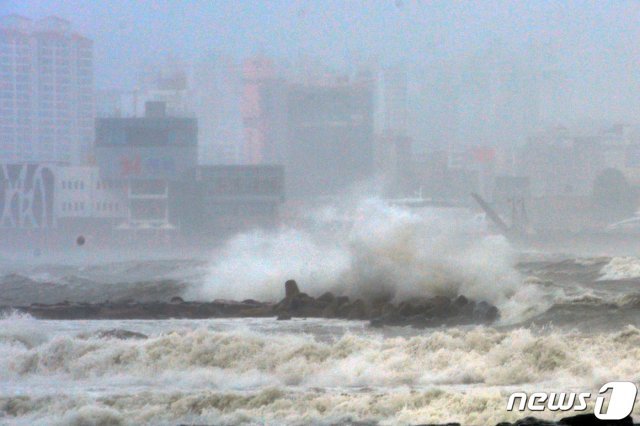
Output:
(228, 198)
(83, 200)
(153, 157)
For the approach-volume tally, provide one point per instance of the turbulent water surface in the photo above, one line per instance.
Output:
(568, 324)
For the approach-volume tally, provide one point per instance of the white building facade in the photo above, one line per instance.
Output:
(49, 196)
(80, 193)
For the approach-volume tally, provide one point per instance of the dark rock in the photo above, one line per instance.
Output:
(343, 309)
(591, 419)
(357, 310)
(439, 307)
(528, 421)
(426, 312)
(380, 321)
(331, 310)
(299, 304)
(283, 316)
(256, 311)
(291, 289)
(408, 309)
(304, 305)
(226, 302)
(118, 333)
(376, 309)
(300, 301)
(293, 304)
(434, 312)
(438, 424)
(460, 301)
(327, 297)
(341, 300)
(579, 420)
(485, 313)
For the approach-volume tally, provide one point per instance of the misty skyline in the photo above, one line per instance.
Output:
(594, 42)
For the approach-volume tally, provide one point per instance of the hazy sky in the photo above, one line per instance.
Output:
(598, 42)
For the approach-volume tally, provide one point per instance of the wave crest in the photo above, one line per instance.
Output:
(381, 251)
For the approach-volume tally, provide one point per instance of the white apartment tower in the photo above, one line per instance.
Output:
(46, 92)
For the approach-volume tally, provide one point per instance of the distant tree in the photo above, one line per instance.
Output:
(613, 198)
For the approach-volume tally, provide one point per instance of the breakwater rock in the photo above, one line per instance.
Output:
(419, 312)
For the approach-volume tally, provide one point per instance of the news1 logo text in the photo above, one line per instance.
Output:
(621, 397)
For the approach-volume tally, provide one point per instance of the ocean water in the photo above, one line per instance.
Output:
(568, 323)
(263, 371)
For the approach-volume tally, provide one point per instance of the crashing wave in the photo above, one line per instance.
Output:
(621, 268)
(237, 376)
(383, 252)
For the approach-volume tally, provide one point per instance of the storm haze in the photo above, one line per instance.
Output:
(593, 44)
(318, 211)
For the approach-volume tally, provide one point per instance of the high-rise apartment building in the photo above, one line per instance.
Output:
(216, 98)
(46, 92)
(263, 111)
(392, 102)
(209, 89)
(330, 142)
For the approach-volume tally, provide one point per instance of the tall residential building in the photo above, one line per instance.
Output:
(117, 103)
(330, 143)
(434, 109)
(391, 102)
(209, 89)
(392, 149)
(167, 82)
(46, 92)
(263, 111)
(216, 96)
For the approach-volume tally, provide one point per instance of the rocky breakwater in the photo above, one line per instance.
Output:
(425, 312)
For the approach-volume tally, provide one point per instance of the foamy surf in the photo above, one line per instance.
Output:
(304, 372)
(621, 268)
